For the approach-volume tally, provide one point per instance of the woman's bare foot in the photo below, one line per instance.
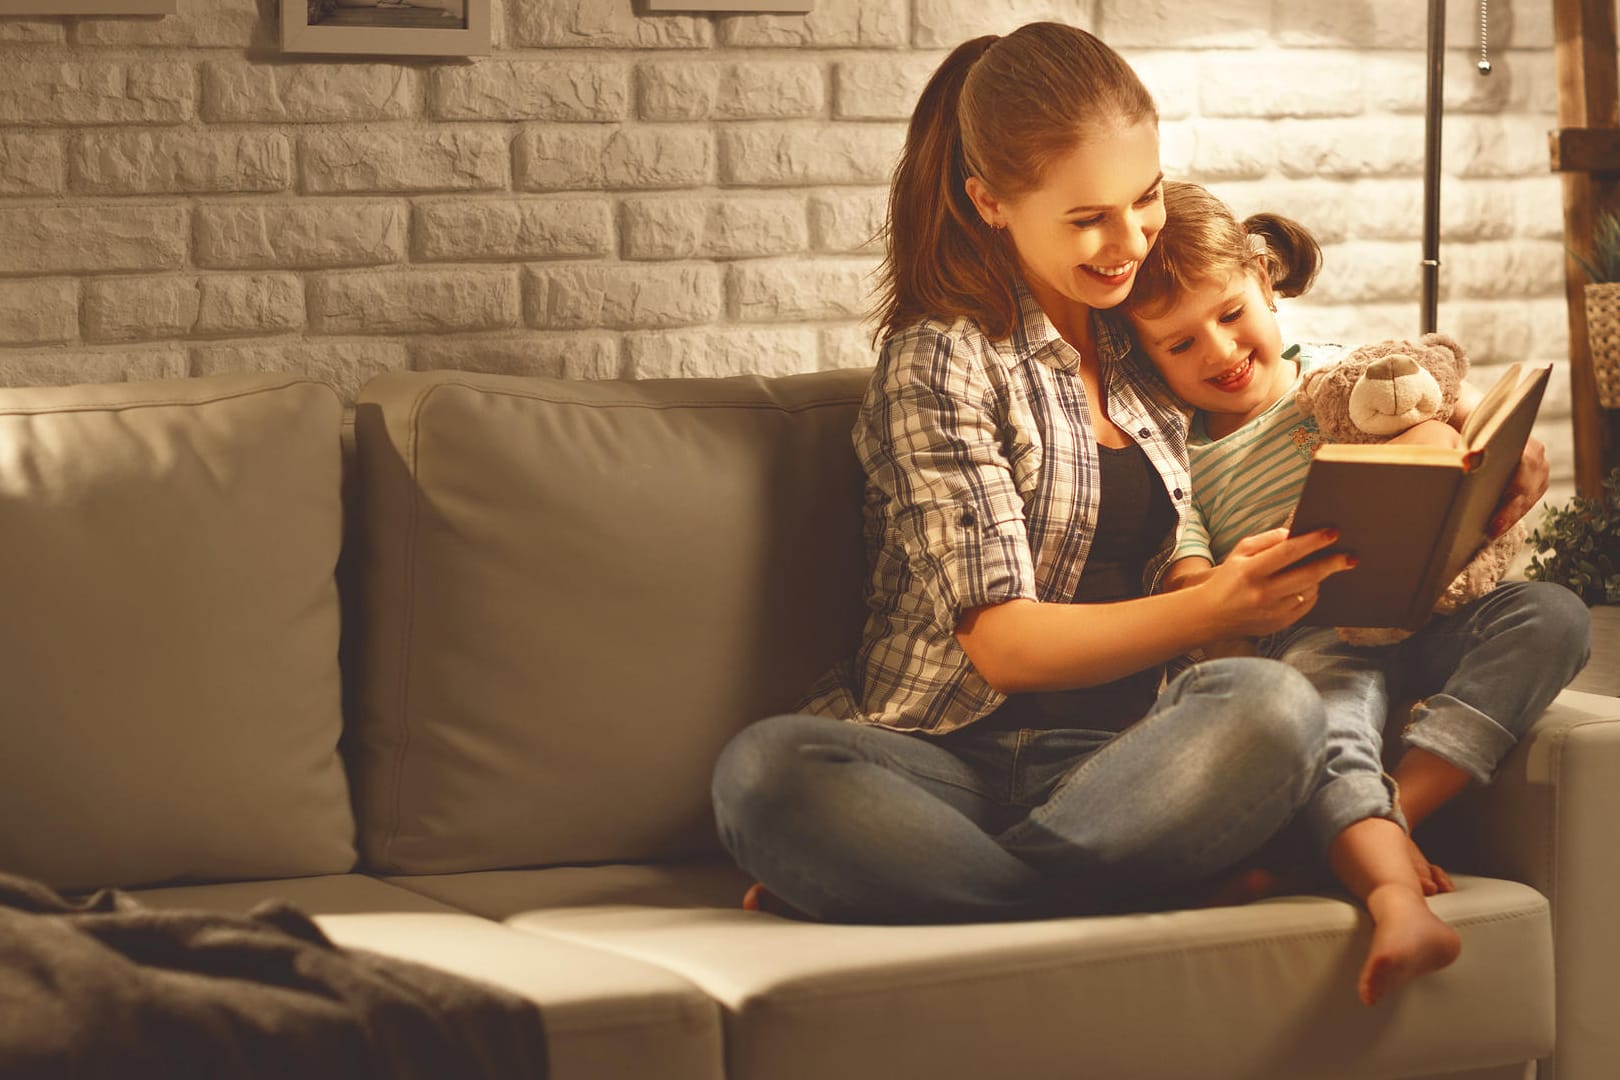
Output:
(1408, 940)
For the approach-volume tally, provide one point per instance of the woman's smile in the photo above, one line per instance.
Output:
(1111, 275)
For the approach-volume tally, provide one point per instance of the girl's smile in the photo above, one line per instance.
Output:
(1235, 378)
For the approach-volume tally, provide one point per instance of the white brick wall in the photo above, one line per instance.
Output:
(619, 195)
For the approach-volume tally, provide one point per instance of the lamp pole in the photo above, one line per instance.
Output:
(1431, 148)
(1431, 163)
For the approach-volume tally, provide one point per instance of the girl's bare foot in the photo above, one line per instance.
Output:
(1409, 940)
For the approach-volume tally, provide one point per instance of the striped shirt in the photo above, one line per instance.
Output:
(1249, 481)
(982, 486)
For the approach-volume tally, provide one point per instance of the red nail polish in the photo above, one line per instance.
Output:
(1352, 561)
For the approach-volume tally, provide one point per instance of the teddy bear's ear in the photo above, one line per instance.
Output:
(1450, 344)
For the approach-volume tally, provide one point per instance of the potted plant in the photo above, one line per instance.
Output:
(1577, 545)
(1603, 306)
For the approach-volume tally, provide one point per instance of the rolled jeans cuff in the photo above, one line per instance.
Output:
(1345, 800)
(1460, 734)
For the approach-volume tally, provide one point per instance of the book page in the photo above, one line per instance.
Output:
(1500, 447)
(1390, 453)
(1491, 405)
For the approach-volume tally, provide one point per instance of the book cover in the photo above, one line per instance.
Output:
(1414, 515)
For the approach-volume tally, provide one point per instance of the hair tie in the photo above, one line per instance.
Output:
(1257, 244)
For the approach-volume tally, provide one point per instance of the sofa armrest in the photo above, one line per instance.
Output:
(1548, 819)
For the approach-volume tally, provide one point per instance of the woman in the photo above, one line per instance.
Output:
(1010, 752)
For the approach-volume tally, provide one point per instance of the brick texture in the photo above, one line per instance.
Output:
(612, 193)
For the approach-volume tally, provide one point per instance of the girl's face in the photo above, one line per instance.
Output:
(1082, 234)
(1220, 350)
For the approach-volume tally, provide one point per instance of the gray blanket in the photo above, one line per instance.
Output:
(106, 987)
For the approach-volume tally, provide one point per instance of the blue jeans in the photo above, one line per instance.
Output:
(855, 823)
(1483, 674)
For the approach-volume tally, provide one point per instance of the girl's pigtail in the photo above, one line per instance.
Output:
(1292, 254)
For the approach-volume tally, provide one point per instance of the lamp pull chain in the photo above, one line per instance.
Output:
(1484, 37)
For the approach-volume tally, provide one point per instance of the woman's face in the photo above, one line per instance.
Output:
(1081, 235)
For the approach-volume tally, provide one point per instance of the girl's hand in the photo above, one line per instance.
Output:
(1261, 587)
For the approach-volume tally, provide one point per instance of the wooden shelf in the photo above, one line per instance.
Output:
(1585, 149)
(1585, 152)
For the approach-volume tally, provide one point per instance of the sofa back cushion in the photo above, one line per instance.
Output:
(169, 688)
(573, 593)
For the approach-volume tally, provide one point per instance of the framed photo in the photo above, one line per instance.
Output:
(751, 7)
(392, 27)
(87, 7)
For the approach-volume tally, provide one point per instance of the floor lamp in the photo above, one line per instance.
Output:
(1431, 150)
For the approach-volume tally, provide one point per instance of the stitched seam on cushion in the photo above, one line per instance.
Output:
(630, 403)
(407, 621)
(159, 403)
(1022, 965)
(1550, 847)
(935, 978)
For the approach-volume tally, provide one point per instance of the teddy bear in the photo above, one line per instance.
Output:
(1378, 391)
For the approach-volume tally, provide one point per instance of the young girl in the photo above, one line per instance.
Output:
(998, 746)
(1203, 310)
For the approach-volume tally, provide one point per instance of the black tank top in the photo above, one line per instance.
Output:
(1133, 518)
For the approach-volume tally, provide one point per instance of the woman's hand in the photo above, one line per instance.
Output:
(1528, 485)
(1023, 644)
(1261, 587)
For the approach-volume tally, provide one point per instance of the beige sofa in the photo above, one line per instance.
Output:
(560, 599)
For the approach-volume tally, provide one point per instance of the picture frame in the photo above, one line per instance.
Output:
(733, 7)
(386, 27)
(88, 7)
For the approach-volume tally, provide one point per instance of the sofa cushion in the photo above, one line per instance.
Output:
(606, 1016)
(1233, 993)
(495, 894)
(169, 647)
(573, 593)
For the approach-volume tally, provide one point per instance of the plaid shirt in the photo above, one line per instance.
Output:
(982, 485)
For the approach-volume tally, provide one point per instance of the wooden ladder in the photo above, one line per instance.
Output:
(1586, 152)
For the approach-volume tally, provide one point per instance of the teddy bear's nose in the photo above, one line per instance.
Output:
(1391, 368)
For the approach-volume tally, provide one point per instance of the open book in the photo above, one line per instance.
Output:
(1414, 515)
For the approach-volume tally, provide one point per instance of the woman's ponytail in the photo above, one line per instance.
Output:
(941, 259)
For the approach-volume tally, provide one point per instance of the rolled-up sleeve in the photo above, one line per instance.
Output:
(931, 436)
(1194, 536)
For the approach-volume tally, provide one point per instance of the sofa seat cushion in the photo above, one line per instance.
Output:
(1263, 990)
(497, 894)
(562, 582)
(607, 1015)
(168, 651)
